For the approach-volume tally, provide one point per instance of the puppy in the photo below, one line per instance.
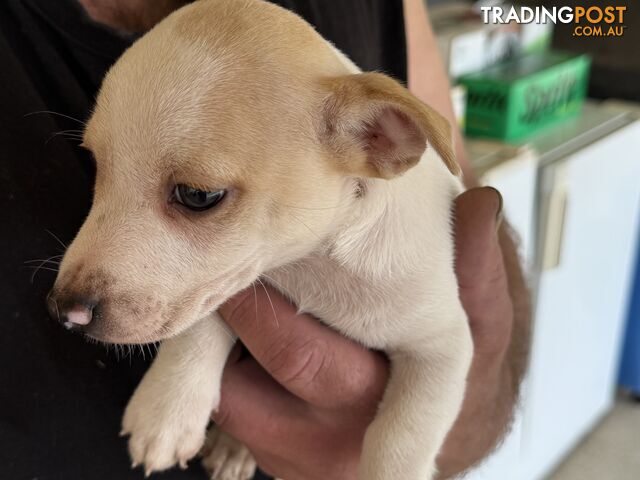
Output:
(233, 143)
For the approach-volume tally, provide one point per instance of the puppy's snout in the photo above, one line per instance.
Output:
(73, 312)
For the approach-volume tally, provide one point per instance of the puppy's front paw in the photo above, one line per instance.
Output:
(225, 458)
(165, 430)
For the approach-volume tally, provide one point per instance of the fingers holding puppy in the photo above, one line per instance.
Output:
(306, 393)
(310, 360)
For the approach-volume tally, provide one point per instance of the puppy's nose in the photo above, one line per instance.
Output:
(78, 316)
(72, 313)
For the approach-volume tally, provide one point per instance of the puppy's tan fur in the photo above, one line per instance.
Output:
(331, 196)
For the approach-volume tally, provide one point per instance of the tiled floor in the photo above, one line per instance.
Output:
(611, 451)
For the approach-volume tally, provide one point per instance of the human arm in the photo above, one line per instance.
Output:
(428, 79)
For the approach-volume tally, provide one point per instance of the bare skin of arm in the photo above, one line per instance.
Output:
(130, 15)
(428, 79)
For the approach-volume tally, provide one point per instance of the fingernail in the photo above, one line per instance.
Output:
(500, 203)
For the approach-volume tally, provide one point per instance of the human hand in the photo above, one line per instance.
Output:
(491, 284)
(303, 400)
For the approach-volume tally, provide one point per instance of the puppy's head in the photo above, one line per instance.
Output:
(229, 140)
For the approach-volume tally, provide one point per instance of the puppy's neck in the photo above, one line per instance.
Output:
(389, 244)
(388, 230)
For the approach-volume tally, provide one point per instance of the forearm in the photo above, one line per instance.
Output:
(491, 398)
(133, 16)
(428, 79)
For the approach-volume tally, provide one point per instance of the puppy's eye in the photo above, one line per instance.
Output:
(197, 200)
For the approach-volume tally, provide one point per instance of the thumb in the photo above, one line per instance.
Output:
(477, 216)
(482, 278)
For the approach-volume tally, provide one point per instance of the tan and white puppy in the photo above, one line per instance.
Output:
(233, 142)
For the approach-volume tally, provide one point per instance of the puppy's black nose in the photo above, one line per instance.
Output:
(72, 313)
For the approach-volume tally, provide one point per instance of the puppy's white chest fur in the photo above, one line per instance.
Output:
(380, 280)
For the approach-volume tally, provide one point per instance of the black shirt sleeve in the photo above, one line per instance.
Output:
(370, 32)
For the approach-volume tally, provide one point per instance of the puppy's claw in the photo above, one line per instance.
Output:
(227, 458)
(183, 464)
(148, 472)
(134, 465)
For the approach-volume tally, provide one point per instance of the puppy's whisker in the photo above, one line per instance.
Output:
(70, 133)
(48, 258)
(64, 246)
(275, 316)
(320, 209)
(41, 267)
(63, 134)
(255, 301)
(55, 302)
(306, 226)
(37, 268)
(52, 262)
(73, 139)
(273, 282)
(49, 262)
(50, 112)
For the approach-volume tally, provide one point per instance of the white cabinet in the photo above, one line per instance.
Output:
(587, 205)
(582, 295)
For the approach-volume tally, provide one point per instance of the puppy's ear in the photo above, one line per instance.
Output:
(375, 128)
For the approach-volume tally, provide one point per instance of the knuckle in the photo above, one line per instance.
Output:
(299, 363)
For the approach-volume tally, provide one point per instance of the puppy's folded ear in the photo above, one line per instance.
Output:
(374, 127)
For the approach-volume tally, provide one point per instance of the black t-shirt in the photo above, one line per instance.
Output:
(61, 398)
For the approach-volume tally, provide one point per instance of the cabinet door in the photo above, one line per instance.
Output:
(582, 297)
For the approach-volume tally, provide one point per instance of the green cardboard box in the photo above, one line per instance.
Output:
(518, 98)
